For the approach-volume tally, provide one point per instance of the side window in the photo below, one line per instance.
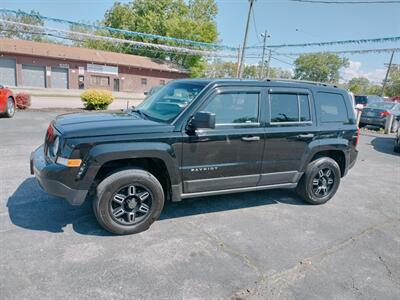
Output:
(284, 108)
(331, 108)
(234, 107)
(287, 107)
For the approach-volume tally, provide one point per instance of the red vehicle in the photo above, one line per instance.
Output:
(7, 102)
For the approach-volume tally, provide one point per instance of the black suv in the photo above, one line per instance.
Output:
(197, 138)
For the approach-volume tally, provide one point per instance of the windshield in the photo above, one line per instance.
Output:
(166, 103)
(382, 105)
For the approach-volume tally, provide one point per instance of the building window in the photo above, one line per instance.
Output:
(162, 82)
(100, 80)
(144, 81)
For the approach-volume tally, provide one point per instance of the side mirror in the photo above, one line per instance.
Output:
(202, 120)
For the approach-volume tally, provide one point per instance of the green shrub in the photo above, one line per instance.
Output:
(96, 99)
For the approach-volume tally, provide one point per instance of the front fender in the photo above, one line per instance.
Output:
(104, 153)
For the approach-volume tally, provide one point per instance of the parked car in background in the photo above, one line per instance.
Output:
(363, 101)
(377, 113)
(7, 102)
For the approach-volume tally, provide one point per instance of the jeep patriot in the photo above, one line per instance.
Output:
(200, 137)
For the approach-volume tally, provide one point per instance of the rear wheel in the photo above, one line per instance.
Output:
(320, 181)
(10, 109)
(128, 201)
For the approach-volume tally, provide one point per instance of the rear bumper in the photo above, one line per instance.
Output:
(45, 172)
(373, 121)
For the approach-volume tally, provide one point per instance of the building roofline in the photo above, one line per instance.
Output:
(73, 53)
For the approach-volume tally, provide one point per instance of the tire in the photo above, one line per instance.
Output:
(308, 186)
(110, 202)
(10, 108)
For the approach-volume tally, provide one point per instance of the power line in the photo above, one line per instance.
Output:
(255, 25)
(282, 61)
(339, 42)
(346, 2)
(117, 30)
(361, 51)
(106, 38)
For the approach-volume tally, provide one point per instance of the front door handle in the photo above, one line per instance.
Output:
(305, 136)
(250, 138)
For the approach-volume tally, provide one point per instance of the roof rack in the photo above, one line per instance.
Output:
(303, 81)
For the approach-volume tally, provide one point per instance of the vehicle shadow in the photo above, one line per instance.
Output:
(384, 145)
(31, 208)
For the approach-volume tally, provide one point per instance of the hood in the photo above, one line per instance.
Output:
(102, 124)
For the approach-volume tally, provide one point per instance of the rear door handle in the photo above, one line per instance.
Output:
(250, 138)
(305, 136)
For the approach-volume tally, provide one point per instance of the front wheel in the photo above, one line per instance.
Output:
(10, 109)
(128, 201)
(320, 181)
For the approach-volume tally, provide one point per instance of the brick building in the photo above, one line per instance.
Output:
(43, 65)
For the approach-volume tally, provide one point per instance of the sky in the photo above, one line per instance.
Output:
(285, 21)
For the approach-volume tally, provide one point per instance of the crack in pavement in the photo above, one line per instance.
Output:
(285, 277)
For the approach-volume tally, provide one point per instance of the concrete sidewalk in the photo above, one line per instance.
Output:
(58, 98)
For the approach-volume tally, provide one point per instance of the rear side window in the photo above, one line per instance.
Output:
(331, 108)
(287, 107)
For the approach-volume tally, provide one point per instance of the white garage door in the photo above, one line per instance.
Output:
(7, 72)
(59, 78)
(33, 76)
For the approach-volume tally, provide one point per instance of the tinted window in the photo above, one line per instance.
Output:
(289, 108)
(361, 99)
(304, 108)
(284, 108)
(331, 107)
(165, 104)
(235, 107)
(382, 105)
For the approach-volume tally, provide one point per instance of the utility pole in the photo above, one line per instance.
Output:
(245, 39)
(269, 62)
(238, 62)
(387, 74)
(264, 35)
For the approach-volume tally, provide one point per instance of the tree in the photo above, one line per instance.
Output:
(393, 84)
(359, 85)
(323, 67)
(191, 20)
(374, 89)
(13, 31)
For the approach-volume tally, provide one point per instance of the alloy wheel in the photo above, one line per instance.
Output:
(323, 182)
(131, 204)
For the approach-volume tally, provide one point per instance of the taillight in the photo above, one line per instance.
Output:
(358, 136)
(384, 114)
(50, 133)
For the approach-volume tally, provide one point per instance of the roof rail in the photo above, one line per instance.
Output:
(303, 81)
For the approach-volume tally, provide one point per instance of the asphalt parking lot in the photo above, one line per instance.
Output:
(265, 245)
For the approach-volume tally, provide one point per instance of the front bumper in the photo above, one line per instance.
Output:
(48, 174)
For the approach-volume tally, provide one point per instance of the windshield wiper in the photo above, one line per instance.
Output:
(139, 112)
